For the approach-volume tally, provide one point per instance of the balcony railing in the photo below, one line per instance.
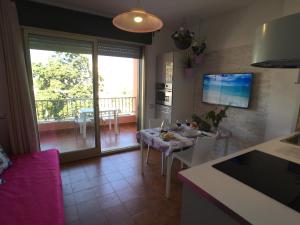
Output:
(67, 109)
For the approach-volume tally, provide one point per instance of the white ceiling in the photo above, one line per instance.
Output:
(172, 12)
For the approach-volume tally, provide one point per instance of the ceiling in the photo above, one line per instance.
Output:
(172, 12)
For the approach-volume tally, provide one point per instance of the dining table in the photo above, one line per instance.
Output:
(108, 112)
(179, 142)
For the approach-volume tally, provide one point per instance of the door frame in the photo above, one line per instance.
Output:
(96, 151)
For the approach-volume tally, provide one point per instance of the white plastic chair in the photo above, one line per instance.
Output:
(154, 123)
(202, 151)
(78, 125)
(110, 118)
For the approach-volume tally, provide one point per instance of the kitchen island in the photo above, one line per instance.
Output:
(211, 197)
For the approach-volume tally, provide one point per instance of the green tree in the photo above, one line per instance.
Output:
(65, 76)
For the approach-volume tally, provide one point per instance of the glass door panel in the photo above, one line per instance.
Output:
(118, 92)
(62, 80)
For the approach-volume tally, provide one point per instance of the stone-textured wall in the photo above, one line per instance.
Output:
(298, 124)
(247, 125)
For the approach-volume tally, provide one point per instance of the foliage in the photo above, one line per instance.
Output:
(188, 61)
(199, 45)
(64, 76)
(216, 118)
(210, 118)
(183, 38)
(202, 124)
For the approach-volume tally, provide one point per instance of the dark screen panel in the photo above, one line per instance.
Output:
(273, 176)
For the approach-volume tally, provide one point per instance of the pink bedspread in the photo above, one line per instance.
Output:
(32, 194)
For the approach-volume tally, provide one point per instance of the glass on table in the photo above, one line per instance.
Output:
(187, 122)
(178, 123)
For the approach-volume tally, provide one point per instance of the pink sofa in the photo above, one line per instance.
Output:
(32, 194)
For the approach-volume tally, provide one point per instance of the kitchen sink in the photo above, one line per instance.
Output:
(295, 139)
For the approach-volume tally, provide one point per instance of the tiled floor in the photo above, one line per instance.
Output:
(111, 191)
(70, 140)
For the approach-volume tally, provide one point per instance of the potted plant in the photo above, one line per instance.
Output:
(188, 65)
(198, 47)
(215, 118)
(200, 123)
(183, 38)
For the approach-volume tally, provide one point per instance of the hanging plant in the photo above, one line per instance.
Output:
(198, 47)
(188, 61)
(183, 38)
(188, 65)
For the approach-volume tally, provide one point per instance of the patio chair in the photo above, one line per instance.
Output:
(202, 151)
(78, 123)
(107, 117)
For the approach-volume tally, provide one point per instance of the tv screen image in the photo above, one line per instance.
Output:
(233, 89)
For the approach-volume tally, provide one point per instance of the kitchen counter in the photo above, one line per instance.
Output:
(240, 202)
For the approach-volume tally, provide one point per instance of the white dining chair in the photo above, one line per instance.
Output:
(202, 151)
(154, 123)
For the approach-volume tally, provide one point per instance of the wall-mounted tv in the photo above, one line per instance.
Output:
(233, 89)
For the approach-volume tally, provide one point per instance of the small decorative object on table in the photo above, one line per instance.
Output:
(187, 122)
(165, 126)
(178, 123)
(183, 38)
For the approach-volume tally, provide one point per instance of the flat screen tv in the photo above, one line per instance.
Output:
(233, 89)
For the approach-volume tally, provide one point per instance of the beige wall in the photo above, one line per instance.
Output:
(276, 97)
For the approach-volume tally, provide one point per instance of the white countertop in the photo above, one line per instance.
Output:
(252, 205)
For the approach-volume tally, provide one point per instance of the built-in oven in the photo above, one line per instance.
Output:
(164, 94)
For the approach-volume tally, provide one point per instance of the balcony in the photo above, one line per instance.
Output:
(58, 128)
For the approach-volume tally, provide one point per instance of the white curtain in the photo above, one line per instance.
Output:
(21, 119)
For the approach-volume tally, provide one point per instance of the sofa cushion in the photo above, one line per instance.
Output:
(32, 194)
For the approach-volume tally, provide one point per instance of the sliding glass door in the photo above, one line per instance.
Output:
(118, 69)
(85, 92)
(62, 78)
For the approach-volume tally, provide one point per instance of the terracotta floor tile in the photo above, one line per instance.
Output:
(145, 218)
(85, 195)
(136, 205)
(88, 207)
(109, 200)
(67, 189)
(71, 214)
(120, 184)
(103, 190)
(82, 185)
(118, 215)
(69, 200)
(111, 191)
(114, 176)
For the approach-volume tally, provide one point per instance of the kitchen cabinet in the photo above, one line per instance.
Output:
(170, 72)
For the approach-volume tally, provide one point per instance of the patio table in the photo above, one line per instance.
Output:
(152, 138)
(109, 111)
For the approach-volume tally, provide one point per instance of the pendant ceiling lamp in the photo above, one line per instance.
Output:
(138, 21)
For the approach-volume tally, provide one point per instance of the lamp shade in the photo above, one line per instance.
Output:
(137, 21)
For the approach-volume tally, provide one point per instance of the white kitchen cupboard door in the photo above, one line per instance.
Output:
(164, 68)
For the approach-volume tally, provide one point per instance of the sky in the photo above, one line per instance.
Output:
(118, 72)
